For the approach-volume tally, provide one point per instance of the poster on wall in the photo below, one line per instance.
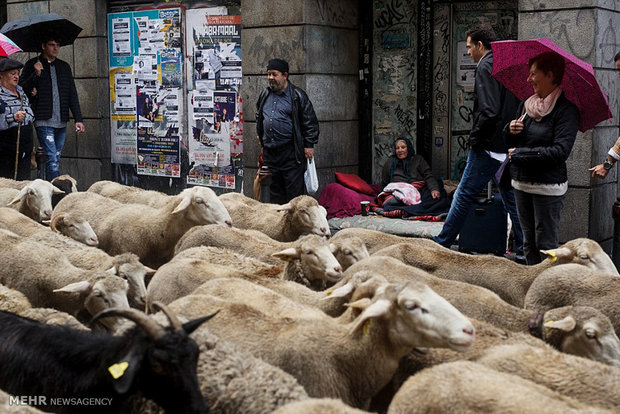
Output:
(215, 121)
(145, 50)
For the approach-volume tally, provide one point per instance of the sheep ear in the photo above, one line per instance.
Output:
(339, 292)
(288, 254)
(361, 304)
(377, 309)
(284, 207)
(124, 372)
(558, 253)
(19, 196)
(57, 190)
(149, 271)
(567, 324)
(77, 287)
(185, 202)
(111, 270)
(333, 248)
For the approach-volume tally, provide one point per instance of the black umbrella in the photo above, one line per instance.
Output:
(28, 33)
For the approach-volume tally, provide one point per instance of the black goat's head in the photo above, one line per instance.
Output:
(164, 368)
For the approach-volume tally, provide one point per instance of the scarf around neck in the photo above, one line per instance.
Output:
(537, 107)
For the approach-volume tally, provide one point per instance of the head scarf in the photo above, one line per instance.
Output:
(395, 159)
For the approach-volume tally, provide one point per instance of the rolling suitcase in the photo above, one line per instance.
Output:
(486, 225)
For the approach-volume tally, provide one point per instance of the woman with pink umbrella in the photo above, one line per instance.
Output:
(540, 140)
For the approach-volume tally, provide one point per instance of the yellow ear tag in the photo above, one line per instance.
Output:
(366, 327)
(117, 370)
(285, 258)
(551, 255)
(548, 323)
(329, 292)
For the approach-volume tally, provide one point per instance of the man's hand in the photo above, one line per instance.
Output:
(79, 127)
(435, 194)
(309, 152)
(38, 68)
(33, 92)
(19, 116)
(598, 171)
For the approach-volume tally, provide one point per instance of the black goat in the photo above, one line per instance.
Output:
(59, 369)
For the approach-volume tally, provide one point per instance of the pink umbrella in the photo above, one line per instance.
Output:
(7, 46)
(580, 86)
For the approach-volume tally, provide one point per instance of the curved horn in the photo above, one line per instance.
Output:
(172, 318)
(55, 220)
(152, 328)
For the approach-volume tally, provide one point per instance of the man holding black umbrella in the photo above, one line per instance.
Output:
(49, 83)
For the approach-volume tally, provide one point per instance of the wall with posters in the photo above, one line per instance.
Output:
(175, 111)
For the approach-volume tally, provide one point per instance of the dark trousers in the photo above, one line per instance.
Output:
(8, 141)
(287, 175)
(540, 221)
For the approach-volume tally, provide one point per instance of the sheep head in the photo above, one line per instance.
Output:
(306, 216)
(201, 206)
(585, 252)
(414, 316)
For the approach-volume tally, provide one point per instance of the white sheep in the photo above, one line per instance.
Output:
(286, 222)
(33, 200)
(575, 285)
(156, 199)
(508, 279)
(125, 265)
(318, 406)
(588, 381)
(53, 317)
(466, 387)
(377, 240)
(351, 361)
(7, 406)
(12, 300)
(148, 232)
(48, 279)
(69, 224)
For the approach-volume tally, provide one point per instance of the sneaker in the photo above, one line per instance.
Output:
(519, 258)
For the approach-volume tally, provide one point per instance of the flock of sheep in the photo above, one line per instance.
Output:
(197, 303)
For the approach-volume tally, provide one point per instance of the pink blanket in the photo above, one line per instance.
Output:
(405, 192)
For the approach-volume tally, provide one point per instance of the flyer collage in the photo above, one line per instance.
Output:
(173, 93)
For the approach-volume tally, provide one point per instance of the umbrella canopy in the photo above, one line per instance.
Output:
(510, 58)
(29, 32)
(7, 46)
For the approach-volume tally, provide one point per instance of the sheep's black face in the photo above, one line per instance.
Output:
(171, 375)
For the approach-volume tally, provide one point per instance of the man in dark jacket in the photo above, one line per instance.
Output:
(48, 81)
(494, 106)
(287, 130)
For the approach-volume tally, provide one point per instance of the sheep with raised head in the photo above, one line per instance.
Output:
(588, 381)
(285, 222)
(156, 199)
(158, 362)
(473, 301)
(508, 279)
(470, 388)
(575, 285)
(33, 200)
(351, 361)
(125, 265)
(151, 233)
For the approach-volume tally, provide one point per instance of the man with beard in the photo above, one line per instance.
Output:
(287, 130)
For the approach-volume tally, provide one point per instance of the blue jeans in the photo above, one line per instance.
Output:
(52, 140)
(480, 169)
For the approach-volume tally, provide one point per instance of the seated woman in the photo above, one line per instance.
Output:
(407, 167)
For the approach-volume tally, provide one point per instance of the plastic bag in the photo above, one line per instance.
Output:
(310, 177)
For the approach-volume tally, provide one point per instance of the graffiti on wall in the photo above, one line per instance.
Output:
(337, 13)
(395, 73)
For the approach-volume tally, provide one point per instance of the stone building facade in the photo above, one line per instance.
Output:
(374, 69)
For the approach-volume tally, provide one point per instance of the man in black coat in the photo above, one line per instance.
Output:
(494, 106)
(48, 81)
(287, 130)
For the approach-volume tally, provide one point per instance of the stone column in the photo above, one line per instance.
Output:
(589, 30)
(86, 156)
(319, 39)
